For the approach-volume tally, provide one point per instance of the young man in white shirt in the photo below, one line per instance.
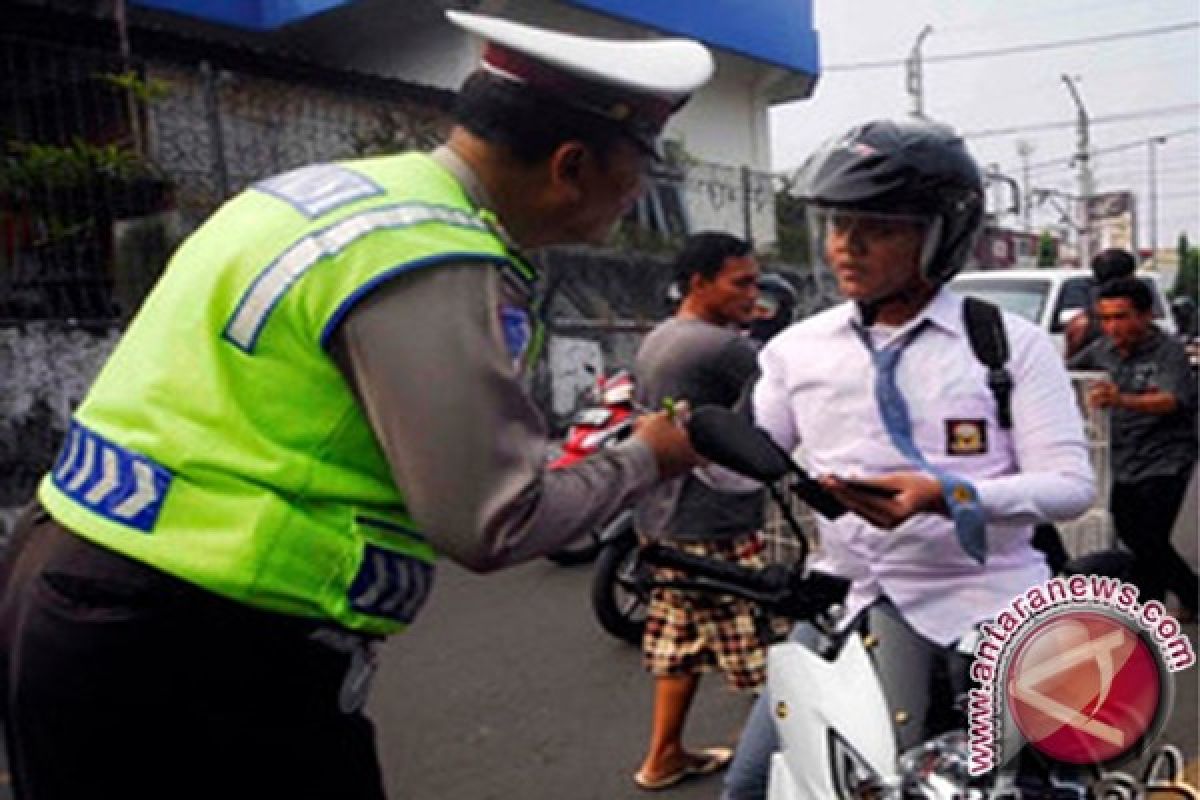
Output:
(886, 389)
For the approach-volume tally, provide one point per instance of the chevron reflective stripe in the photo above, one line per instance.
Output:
(273, 282)
(104, 477)
(390, 584)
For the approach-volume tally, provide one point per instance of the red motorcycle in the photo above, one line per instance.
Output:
(609, 420)
(606, 422)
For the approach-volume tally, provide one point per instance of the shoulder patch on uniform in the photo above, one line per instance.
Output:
(517, 327)
(320, 188)
(966, 437)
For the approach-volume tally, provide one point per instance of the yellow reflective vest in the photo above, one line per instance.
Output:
(221, 443)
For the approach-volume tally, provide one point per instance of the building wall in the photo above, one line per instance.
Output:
(47, 371)
(222, 126)
(725, 123)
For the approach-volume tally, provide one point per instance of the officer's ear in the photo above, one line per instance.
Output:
(568, 165)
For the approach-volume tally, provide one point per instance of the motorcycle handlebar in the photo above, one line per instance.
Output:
(785, 591)
(767, 581)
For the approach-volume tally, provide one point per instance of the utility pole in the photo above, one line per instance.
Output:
(1083, 160)
(1025, 150)
(915, 86)
(1150, 144)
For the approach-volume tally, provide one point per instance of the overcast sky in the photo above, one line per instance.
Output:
(1152, 81)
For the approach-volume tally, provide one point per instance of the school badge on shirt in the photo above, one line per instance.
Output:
(966, 437)
(518, 332)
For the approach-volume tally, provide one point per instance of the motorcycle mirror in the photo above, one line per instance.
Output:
(729, 439)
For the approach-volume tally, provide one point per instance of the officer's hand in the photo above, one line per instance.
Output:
(914, 493)
(665, 435)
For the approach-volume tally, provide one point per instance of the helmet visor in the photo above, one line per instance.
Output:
(834, 232)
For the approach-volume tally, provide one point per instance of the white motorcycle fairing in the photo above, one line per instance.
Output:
(833, 722)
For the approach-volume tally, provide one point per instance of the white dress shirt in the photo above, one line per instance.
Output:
(817, 393)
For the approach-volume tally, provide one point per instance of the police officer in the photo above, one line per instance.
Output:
(321, 394)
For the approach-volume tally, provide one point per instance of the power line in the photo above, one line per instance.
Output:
(1063, 161)
(1018, 49)
(1185, 108)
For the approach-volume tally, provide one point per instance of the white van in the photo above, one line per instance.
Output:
(1050, 296)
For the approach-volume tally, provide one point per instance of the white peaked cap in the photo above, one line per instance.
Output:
(635, 83)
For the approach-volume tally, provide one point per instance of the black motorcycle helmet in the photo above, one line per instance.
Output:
(777, 301)
(909, 167)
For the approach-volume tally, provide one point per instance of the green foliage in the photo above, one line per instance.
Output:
(791, 228)
(1047, 253)
(145, 90)
(1187, 279)
(28, 168)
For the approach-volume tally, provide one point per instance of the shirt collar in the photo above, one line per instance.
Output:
(944, 311)
(453, 163)
(477, 195)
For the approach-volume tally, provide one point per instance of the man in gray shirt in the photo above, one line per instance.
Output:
(1152, 395)
(700, 356)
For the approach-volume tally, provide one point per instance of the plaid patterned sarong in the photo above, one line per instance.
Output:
(691, 632)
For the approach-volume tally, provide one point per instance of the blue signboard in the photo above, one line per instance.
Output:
(778, 32)
(261, 15)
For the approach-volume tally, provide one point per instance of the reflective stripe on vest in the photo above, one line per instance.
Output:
(264, 294)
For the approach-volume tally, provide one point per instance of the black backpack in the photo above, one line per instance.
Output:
(985, 331)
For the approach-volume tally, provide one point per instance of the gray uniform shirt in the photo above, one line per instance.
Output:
(705, 364)
(1148, 445)
(427, 357)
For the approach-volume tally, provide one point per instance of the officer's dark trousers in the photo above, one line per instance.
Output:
(120, 682)
(1144, 513)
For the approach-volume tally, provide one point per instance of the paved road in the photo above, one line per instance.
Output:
(508, 689)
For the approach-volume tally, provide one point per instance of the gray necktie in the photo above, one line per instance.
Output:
(960, 496)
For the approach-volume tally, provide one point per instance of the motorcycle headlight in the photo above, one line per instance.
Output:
(936, 769)
(853, 777)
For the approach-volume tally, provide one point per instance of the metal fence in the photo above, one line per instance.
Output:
(106, 165)
(68, 173)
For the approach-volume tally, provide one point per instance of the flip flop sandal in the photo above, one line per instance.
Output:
(708, 761)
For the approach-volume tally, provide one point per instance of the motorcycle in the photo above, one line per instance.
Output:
(620, 585)
(835, 731)
(608, 420)
(623, 579)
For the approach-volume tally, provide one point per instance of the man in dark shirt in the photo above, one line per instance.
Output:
(1152, 397)
(1084, 327)
(699, 356)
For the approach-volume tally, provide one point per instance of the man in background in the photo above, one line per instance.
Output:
(1084, 328)
(1151, 394)
(700, 356)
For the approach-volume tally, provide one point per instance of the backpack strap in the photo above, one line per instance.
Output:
(985, 331)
